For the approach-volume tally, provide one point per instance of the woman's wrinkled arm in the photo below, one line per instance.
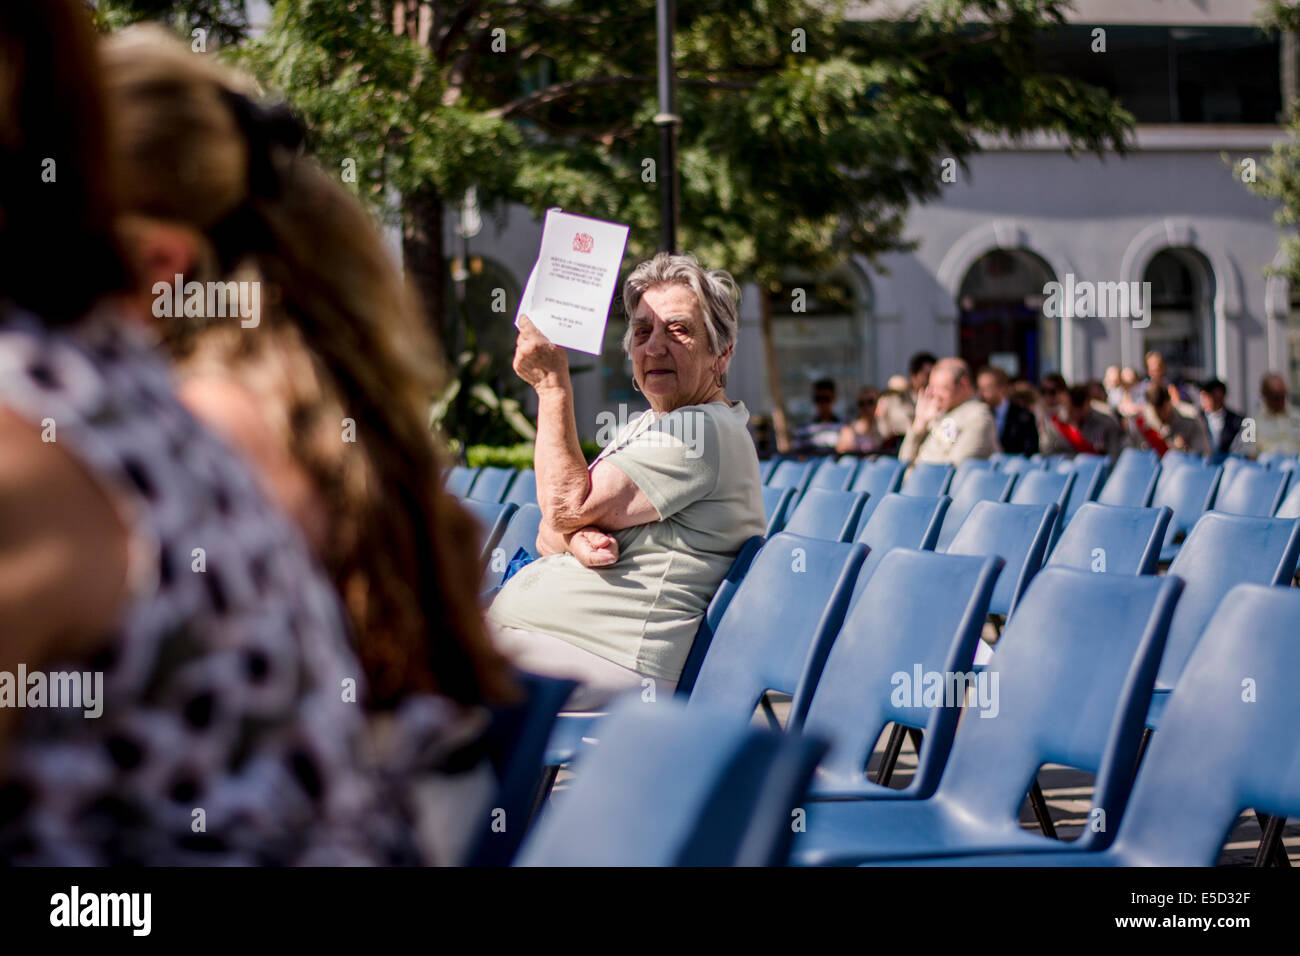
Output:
(571, 498)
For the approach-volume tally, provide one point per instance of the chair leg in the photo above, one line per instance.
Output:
(1041, 811)
(916, 738)
(772, 720)
(892, 749)
(1142, 750)
(1271, 850)
(544, 785)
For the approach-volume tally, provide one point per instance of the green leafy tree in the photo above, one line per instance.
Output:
(804, 138)
(1279, 177)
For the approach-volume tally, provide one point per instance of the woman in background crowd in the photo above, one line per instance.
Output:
(862, 435)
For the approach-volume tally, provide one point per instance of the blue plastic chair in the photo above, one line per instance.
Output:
(776, 503)
(927, 480)
(919, 611)
(460, 479)
(1216, 755)
(1111, 539)
(765, 468)
(1290, 506)
(834, 475)
(1222, 551)
(674, 786)
(1073, 672)
(793, 474)
(1045, 487)
(965, 468)
(1089, 476)
(878, 478)
(1188, 490)
(1018, 534)
(523, 490)
(1251, 490)
(899, 521)
(779, 626)
(492, 484)
(520, 532)
(1132, 481)
(493, 516)
(822, 513)
(514, 741)
(979, 486)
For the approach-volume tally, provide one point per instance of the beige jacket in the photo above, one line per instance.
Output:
(968, 431)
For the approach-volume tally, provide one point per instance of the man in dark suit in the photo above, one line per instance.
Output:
(1017, 427)
(1223, 424)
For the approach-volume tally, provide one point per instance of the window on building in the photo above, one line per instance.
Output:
(1182, 313)
(824, 340)
(1171, 74)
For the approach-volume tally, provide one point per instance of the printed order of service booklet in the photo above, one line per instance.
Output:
(572, 284)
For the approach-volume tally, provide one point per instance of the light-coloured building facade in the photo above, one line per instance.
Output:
(1208, 89)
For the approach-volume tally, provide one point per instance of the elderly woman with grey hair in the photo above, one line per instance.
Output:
(635, 544)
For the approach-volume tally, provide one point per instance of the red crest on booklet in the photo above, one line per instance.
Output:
(582, 242)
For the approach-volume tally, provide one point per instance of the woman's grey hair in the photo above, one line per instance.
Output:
(715, 290)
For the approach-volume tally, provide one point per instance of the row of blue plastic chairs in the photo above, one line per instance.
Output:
(1088, 665)
(796, 500)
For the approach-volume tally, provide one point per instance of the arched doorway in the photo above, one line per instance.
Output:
(1182, 313)
(1001, 320)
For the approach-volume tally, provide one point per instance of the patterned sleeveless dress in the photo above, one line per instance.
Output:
(230, 730)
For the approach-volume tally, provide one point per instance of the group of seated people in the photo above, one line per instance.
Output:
(943, 412)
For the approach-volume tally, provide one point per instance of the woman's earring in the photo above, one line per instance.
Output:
(635, 386)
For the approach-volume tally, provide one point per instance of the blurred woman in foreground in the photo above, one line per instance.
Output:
(327, 389)
(203, 715)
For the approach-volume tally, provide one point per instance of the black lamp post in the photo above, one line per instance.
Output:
(667, 120)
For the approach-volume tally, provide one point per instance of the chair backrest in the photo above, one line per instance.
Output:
(835, 475)
(823, 513)
(1132, 481)
(1221, 552)
(491, 484)
(1045, 487)
(965, 468)
(792, 474)
(1227, 740)
(1018, 464)
(927, 479)
(1018, 534)
(523, 490)
(899, 521)
(515, 741)
(1251, 490)
(460, 479)
(714, 613)
(919, 613)
(1290, 506)
(776, 504)
(520, 532)
(493, 516)
(878, 478)
(1188, 490)
(1089, 475)
(675, 786)
(1071, 683)
(979, 486)
(765, 468)
(779, 625)
(1111, 539)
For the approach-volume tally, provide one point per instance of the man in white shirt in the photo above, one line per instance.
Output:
(1277, 426)
(952, 424)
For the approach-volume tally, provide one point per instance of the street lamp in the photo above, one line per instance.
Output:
(667, 120)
